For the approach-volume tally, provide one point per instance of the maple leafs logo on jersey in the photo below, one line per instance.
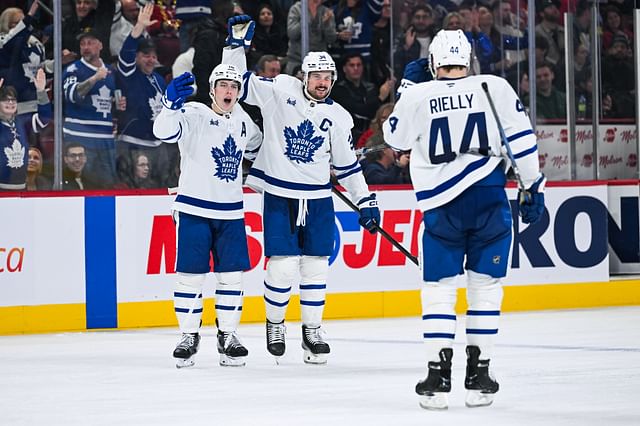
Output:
(102, 101)
(15, 155)
(155, 103)
(301, 145)
(228, 160)
(31, 68)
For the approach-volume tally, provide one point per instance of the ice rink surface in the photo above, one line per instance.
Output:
(555, 368)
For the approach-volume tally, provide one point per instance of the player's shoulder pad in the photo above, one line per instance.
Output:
(196, 107)
(339, 114)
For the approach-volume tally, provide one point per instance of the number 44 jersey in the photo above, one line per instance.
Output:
(454, 138)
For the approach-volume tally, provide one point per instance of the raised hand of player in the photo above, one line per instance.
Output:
(369, 213)
(531, 201)
(240, 29)
(178, 90)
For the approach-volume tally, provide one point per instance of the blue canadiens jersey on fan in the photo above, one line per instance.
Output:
(144, 98)
(89, 118)
(211, 151)
(453, 137)
(21, 55)
(302, 139)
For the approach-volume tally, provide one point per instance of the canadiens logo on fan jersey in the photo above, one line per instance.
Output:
(301, 145)
(228, 160)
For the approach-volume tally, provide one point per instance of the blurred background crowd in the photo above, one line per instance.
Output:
(116, 66)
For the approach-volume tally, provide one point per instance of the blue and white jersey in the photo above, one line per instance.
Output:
(211, 150)
(87, 119)
(144, 98)
(192, 9)
(450, 129)
(14, 149)
(302, 139)
(362, 27)
(21, 55)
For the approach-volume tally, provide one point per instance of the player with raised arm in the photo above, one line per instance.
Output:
(458, 167)
(208, 209)
(305, 133)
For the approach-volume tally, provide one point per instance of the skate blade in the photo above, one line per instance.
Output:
(476, 398)
(435, 401)
(311, 358)
(229, 361)
(185, 363)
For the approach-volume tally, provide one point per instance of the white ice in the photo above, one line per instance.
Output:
(577, 367)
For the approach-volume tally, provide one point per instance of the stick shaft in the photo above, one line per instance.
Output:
(382, 232)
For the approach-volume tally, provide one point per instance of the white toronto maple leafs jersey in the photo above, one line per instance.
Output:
(302, 139)
(211, 150)
(454, 138)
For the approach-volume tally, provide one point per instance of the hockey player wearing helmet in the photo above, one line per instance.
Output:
(208, 209)
(318, 75)
(305, 134)
(458, 168)
(224, 87)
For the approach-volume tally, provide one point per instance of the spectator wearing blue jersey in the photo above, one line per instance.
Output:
(13, 140)
(21, 54)
(89, 86)
(354, 21)
(143, 89)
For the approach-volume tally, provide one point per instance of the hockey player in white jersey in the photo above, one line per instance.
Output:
(208, 209)
(458, 169)
(305, 133)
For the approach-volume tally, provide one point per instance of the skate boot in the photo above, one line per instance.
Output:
(316, 350)
(479, 382)
(232, 352)
(186, 349)
(434, 389)
(275, 338)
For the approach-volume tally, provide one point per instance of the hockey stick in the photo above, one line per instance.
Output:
(378, 228)
(505, 142)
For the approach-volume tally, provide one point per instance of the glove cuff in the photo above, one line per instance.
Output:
(368, 202)
(173, 105)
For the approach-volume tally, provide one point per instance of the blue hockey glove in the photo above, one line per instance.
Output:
(240, 29)
(369, 213)
(417, 71)
(531, 201)
(414, 72)
(178, 90)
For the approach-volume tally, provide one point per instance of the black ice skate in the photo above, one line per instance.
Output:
(315, 349)
(186, 349)
(479, 382)
(434, 389)
(232, 352)
(275, 338)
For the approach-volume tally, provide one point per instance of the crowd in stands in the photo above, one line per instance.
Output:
(118, 56)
